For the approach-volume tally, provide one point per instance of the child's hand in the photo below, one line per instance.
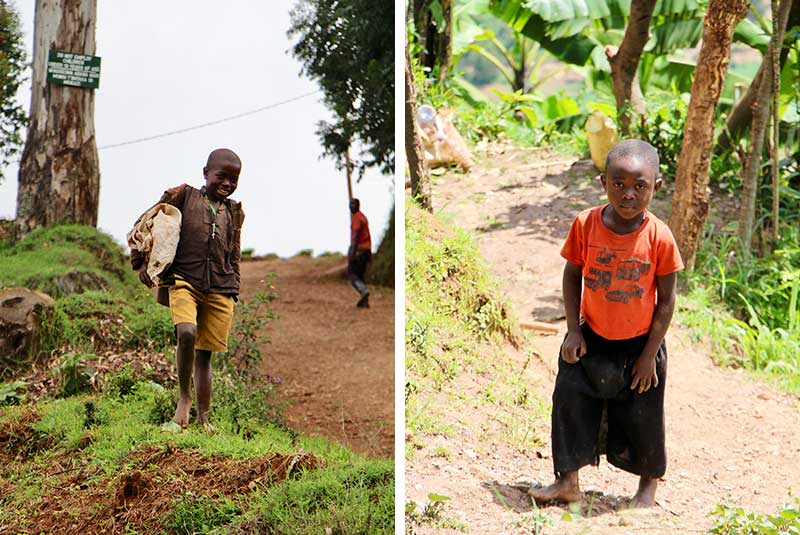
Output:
(573, 348)
(644, 374)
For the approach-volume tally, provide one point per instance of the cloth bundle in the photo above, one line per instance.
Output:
(156, 234)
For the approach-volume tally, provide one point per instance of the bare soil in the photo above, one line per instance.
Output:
(334, 362)
(730, 439)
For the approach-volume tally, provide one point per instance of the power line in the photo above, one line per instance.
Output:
(203, 125)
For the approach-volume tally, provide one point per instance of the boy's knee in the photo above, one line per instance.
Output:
(187, 333)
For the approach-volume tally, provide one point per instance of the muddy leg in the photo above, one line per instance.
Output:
(187, 333)
(202, 384)
(565, 488)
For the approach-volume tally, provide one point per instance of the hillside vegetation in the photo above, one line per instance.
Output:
(83, 445)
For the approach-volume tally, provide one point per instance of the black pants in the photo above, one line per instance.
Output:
(600, 381)
(357, 267)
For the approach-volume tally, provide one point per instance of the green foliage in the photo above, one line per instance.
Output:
(730, 520)
(248, 252)
(347, 500)
(12, 74)
(305, 253)
(192, 516)
(381, 269)
(244, 357)
(75, 375)
(13, 393)
(749, 306)
(348, 48)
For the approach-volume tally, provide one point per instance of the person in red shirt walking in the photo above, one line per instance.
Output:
(613, 358)
(359, 253)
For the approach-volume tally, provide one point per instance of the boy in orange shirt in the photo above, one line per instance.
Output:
(615, 359)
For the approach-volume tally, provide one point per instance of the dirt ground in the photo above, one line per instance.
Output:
(334, 362)
(730, 439)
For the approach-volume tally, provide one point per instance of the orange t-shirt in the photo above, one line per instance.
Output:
(619, 272)
(358, 222)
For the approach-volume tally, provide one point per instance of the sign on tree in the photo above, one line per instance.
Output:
(77, 70)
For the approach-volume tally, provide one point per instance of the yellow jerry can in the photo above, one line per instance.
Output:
(602, 135)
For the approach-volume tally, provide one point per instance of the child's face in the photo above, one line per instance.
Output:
(222, 177)
(629, 183)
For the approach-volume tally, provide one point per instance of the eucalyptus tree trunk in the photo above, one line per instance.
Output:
(690, 200)
(624, 62)
(758, 130)
(418, 171)
(59, 175)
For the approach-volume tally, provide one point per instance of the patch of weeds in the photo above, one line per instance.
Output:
(75, 375)
(13, 393)
(535, 522)
(432, 513)
(246, 408)
(441, 451)
(123, 383)
(244, 356)
(162, 406)
(420, 419)
(345, 500)
(192, 516)
(729, 520)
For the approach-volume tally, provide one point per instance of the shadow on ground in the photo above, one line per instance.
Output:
(514, 496)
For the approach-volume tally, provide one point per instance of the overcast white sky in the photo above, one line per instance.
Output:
(171, 65)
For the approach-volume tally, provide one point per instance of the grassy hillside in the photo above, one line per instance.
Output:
(83, 448)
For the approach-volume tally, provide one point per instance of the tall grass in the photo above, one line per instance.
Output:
(748, 305)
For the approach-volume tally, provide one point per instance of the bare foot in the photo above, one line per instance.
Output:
(646, 495)
(565, 488)
(182, 412)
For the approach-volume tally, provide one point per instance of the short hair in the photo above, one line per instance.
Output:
(358, 203)
(634, 147)
(223, 154)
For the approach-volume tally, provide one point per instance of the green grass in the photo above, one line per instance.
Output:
(332, 499)
(45, 254)
(348, 491)
(451, 303)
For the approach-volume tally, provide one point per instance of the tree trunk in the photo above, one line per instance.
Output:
(752, 165)
(59, 175)
(690, 201)
(420, 182)
(741, 115)
(436, 42)
(625, 62)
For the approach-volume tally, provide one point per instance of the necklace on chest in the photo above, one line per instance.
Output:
(213, 208)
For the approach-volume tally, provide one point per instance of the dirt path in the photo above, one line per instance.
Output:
(729, 439)
(335, 361)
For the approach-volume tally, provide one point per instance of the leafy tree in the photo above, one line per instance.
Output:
(690, 201)
(12, 65)
(348, 48)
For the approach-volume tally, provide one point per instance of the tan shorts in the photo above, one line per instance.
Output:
(211, 313)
